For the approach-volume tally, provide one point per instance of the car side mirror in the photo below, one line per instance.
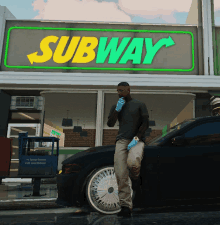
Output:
(178, 140)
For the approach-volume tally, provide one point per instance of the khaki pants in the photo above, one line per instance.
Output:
(125, 161)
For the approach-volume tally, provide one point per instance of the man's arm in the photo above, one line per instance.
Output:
(143, 127)
(145, 121)
(112, 119)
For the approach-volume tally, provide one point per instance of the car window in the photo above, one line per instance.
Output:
(157, 140)
(204, 134)
(204, 129)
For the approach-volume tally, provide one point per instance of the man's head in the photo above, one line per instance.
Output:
(123, 89)
(216, 111)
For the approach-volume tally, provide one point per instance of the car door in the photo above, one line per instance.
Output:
(189, 171)
(204, 141)
(149, 174)
(176, 164)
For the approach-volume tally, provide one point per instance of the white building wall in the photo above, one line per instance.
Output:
(5, 14)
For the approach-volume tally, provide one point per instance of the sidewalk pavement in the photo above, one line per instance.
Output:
(31, 202)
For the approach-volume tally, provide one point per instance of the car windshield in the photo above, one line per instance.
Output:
(157, 140)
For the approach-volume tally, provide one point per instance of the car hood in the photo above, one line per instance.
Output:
(92, 150)
(80, 156)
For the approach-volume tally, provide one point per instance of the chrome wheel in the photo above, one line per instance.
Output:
(102, 191)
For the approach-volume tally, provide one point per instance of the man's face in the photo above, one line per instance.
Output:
(123, 91)
(216, 112)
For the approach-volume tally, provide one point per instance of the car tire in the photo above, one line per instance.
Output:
(102, 182)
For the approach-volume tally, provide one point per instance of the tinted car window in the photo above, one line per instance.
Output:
(157, 140)
(204, 129)
(204, 134)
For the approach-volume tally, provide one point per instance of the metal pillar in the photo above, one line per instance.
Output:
(42, 117)
(207, 38)
(200, 38)
(214, 39)
(36, 186)
(99, 118)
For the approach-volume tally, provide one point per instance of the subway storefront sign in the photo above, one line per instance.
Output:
(99, 49)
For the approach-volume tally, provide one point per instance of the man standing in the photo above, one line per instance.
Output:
(133, 120)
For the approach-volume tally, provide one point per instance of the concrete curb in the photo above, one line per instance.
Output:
(36, 206)
(28, 180)
(28, 200)
(15, 180)
(40, 211)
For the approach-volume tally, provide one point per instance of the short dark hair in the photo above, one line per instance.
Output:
(123, 84)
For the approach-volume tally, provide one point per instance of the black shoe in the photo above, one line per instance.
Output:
(125, 211)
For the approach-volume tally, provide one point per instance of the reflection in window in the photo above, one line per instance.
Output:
(39, 148)
(204, 129)
(25, 116)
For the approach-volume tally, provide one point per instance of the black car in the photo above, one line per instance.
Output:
(181, 165)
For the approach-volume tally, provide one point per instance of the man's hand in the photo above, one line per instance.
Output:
(132, 144)
(120, 103)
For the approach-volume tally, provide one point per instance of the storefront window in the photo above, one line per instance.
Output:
(25, 116)
(202, 105)
(163, 109)
(81, 108)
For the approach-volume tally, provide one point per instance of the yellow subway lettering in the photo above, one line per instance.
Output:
(84, 48)
(58, 54)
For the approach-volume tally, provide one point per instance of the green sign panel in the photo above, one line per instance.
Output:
(55, 133)
(99, 49)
